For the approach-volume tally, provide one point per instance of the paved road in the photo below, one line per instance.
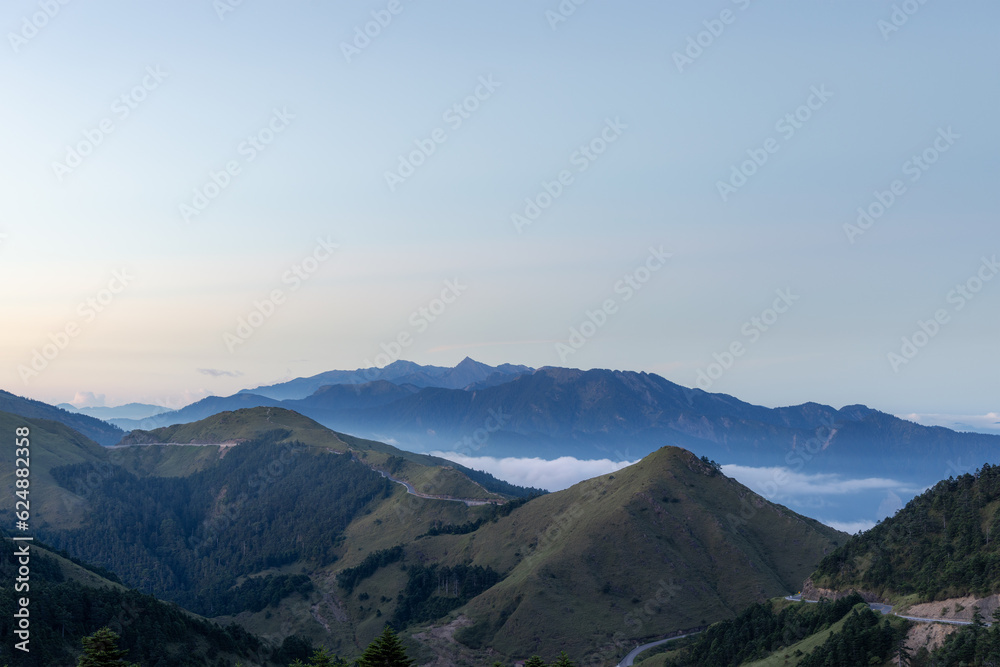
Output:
(936, 620)
(887, 609)
(413, 492)
(627, 660)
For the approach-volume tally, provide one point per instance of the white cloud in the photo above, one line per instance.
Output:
(555, 475)
(778, 482)
(851, 527)
(215, 372)
(988, 423)
(88, 399)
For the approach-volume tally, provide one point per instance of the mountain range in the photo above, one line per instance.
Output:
(262, 517)
(275, 533)
(514, 411)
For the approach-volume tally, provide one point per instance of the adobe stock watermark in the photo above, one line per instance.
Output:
(454, 116)
(786, 126)
(265, 308)
(121, 108)
(562, 12)
(628, 286)
(915, 167)
(495, 421)
(714, 28)
(31, 25)
(899, 17)
(420, 320)
(363, 35)
(958, 297)
(582, 158)
(223, 7)
(248, 150)
(751, 330)
(87, 310)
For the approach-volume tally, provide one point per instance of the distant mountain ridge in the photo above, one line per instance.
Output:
(468, 372)
(127, 411)
(99, 431)
(598, 413)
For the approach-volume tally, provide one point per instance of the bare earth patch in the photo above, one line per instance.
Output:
(447, 651)
(955, 609)
(930, 635)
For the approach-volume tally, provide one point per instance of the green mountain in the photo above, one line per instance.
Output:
(937, 558)
(942, 544)
(51, 444)
(265, 518)
(68, 601)
(667, 544)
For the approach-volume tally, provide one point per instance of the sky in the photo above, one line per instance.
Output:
(783, 201)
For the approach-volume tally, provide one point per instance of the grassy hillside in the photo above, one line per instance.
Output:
(427, 473)
(52, 444)
(664, 545)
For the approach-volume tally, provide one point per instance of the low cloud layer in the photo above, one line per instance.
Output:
(845, 503)
(851, 527)
(777, 483)
(848, 504)
(988, 423)
(556, 475)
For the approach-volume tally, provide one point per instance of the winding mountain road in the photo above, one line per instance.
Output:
(887, 609)
(630, 658)
(413, 492)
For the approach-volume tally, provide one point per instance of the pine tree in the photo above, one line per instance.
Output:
(101, 650)
(534, 661)
(563, 661)
(385, 651)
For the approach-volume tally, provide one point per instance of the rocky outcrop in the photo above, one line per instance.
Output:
(812, 592)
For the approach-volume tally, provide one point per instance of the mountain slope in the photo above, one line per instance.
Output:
(52, 444)
(257, 533)
(206, 407)
(100, 432)
(942, 544)
(664, 545)
(68, 602)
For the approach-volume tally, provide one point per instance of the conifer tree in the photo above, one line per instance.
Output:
(101, 650)
(534, 661)
(563, 661)
(385, 651)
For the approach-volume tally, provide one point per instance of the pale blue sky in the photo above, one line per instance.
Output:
(656, 185)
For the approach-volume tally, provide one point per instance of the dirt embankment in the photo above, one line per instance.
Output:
(955, 609)
(812, 592)
(929, 635)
